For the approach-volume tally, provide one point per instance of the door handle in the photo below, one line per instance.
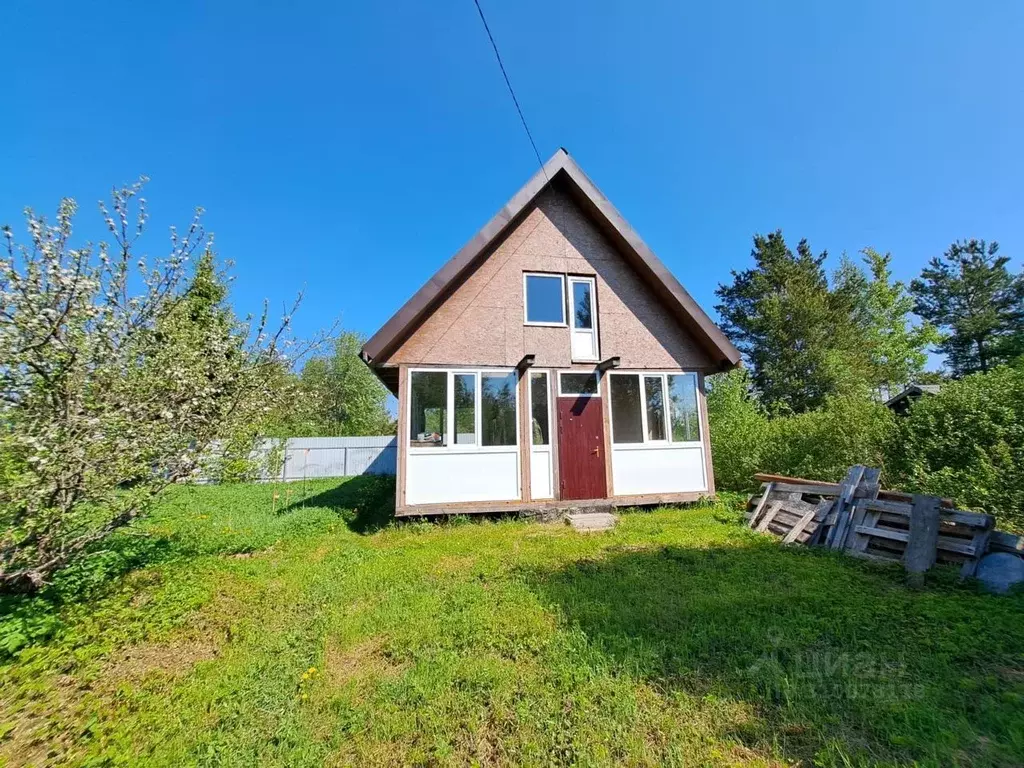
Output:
(596, 451)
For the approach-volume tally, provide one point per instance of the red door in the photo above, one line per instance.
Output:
(581, 448)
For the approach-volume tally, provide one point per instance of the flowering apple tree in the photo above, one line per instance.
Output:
(120, 374)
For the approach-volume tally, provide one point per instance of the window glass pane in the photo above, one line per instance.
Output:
(428, 403)
(498, 408)
(539, 408)
(627, 426)
(581, 303)
(465, 408)
(578, 383)
(682, 392)
(544, 301)
(654, 395)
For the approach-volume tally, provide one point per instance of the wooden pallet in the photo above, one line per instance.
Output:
(858, 517)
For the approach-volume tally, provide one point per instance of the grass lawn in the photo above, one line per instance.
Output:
(233, 633)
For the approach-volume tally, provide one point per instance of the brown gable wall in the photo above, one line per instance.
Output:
(481, 323)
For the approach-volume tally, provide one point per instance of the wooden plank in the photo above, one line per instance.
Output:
(870, 518)
(815, 489)
(769, 516)
(1000, 541)
(765, 477)
(837, 536)
(868, 487)
(789, 517)
(606, 409)
(525, 445)
(888, 495)
(798, 508)
(909, 497)
(819, 519)
(760, 505)
(922, 543)
(401, 445)
(855, 538)
(980, 544)
(851, 485)
(797, 529)
(869, 484)
(953, 516)
(942, 542)
(705, 433)
(892, 507)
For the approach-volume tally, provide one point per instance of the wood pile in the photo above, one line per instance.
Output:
(859, 517)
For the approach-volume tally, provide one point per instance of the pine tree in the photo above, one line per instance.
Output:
(971, 295)
(798, 335)
(897, 346)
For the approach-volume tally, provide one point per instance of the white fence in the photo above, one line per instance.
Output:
(307, 457)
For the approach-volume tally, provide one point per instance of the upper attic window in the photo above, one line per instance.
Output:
(545, 299)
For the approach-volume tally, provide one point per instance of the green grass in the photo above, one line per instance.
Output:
(231, 633)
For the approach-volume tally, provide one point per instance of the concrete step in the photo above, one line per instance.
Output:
(592, 521)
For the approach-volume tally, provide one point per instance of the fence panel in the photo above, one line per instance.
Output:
(309, 457)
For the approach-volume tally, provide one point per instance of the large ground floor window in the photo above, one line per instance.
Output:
(462, 409)
(654, 408)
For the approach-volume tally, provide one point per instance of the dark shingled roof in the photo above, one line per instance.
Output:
(562, 172)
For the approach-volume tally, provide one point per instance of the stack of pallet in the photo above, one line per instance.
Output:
(859, 517)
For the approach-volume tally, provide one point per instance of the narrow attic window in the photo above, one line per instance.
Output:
(545, 299)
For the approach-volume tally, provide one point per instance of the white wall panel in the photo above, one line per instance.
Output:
(643, 470)
(448, 477)
(540, 473)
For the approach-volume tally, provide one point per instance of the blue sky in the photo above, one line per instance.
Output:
(350, 150)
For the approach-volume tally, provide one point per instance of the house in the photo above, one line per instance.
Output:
(553, 361)
(901, 402)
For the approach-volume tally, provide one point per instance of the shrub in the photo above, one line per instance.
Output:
(824, 443)
(118, 374)
(738, 429)
(820, 444)
(967, 443)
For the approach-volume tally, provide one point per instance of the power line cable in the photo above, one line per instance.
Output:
(515, 101)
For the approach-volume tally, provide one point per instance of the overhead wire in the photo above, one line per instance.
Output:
(501, 66)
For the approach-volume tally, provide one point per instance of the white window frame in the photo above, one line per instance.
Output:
(526, 307)
(452, 447)
(563, 393)
(668, 442)
(550, 406)
(571, 316)
(548, 448)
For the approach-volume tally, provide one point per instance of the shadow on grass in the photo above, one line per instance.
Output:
(365, 503)
(26, 619)
(837, 659)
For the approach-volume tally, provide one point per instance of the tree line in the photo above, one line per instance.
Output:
(807, 335)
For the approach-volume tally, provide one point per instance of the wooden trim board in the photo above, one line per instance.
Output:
(490, 507)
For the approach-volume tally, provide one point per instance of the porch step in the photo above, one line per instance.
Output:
(592, 521)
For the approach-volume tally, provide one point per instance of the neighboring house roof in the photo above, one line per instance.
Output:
(562, 171)
(913, 391)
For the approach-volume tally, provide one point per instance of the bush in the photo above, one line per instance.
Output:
(738, 429)
(824, 443)
(820, 444)
(967, 443)
(120, 373)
